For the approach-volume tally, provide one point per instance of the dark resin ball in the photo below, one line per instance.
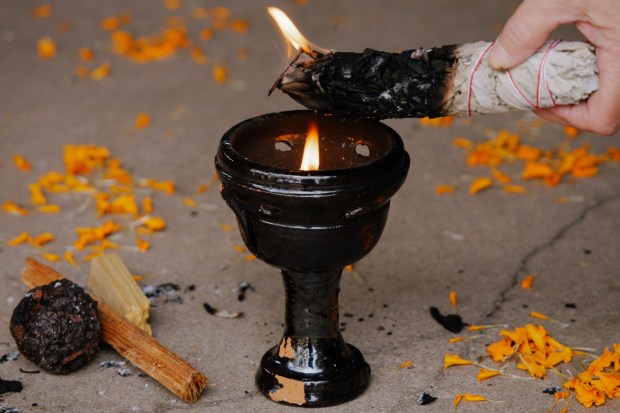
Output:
(56, 326)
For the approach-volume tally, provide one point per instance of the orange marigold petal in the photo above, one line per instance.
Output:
(172, 4)
(536, 314)
(49, 209)
(239, 26)
(21, 163)
(198, 56)
(405, 364)
(110, 23)
(46, 47)
(206, 34)
(155, 224)
(42, 239)
(220, 74)
(86, 54)
(464, 143)
(515, 189)
(528, 153)
(453, 299)
(142, 120)
(536, 170)
(101, 72)
(52, 257)
(147, 205)
(571, 132)
(70, 258)
(527, 282)
(22, 238)
(142, 244)
(12, 208)
(500, 176)
(220, 12)
(480, 184)
(444, 189)
(187, 201)
(42, 12)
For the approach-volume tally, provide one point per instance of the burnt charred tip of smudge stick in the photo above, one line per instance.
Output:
(283, 72)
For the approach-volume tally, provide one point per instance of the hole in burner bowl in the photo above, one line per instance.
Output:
(362, 150)
(283, 146)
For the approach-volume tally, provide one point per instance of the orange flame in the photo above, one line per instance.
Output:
(294, 39)
(310, 160)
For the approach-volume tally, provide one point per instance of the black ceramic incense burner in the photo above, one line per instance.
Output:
(311, 224)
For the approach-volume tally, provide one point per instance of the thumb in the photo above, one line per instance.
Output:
(524, 33)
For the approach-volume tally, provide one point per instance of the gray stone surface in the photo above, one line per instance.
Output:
(479, 246)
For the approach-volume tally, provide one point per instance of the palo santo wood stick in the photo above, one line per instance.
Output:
(132, 343)
(111, 282)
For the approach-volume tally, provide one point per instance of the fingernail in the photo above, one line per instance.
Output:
(499, 58)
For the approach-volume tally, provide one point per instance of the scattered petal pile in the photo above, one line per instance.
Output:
(551, 167)
(91, 173)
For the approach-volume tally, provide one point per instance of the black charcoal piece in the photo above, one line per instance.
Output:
(425, 399)
(10, 386)
(451, 322)
(9, 356)
(243, 288)
(56, 327)
(211, 310)
(552, 390)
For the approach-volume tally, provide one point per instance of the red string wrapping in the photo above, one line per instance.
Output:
(542, 78)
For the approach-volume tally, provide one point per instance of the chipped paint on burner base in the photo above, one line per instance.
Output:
(286, 348)
(291, 391)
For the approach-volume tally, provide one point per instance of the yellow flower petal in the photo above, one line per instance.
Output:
(70, 258)
(36, 194)
(453, 299)
(49, 209)
(405, 365)
(455, 360)
(52, 257)
(147, 205)
(484, 374)
(155, 223)
(22, 238)
(536, 314)
(189, 202)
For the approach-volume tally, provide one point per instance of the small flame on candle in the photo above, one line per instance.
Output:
(296, 42)
(310, 160)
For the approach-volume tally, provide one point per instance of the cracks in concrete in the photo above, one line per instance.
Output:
(559, 235)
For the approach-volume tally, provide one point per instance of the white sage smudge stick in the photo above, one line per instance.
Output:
(447, 80)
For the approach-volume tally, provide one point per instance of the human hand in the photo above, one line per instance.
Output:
(599, 21)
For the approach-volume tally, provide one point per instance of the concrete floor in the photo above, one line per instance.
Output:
(479, 246)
